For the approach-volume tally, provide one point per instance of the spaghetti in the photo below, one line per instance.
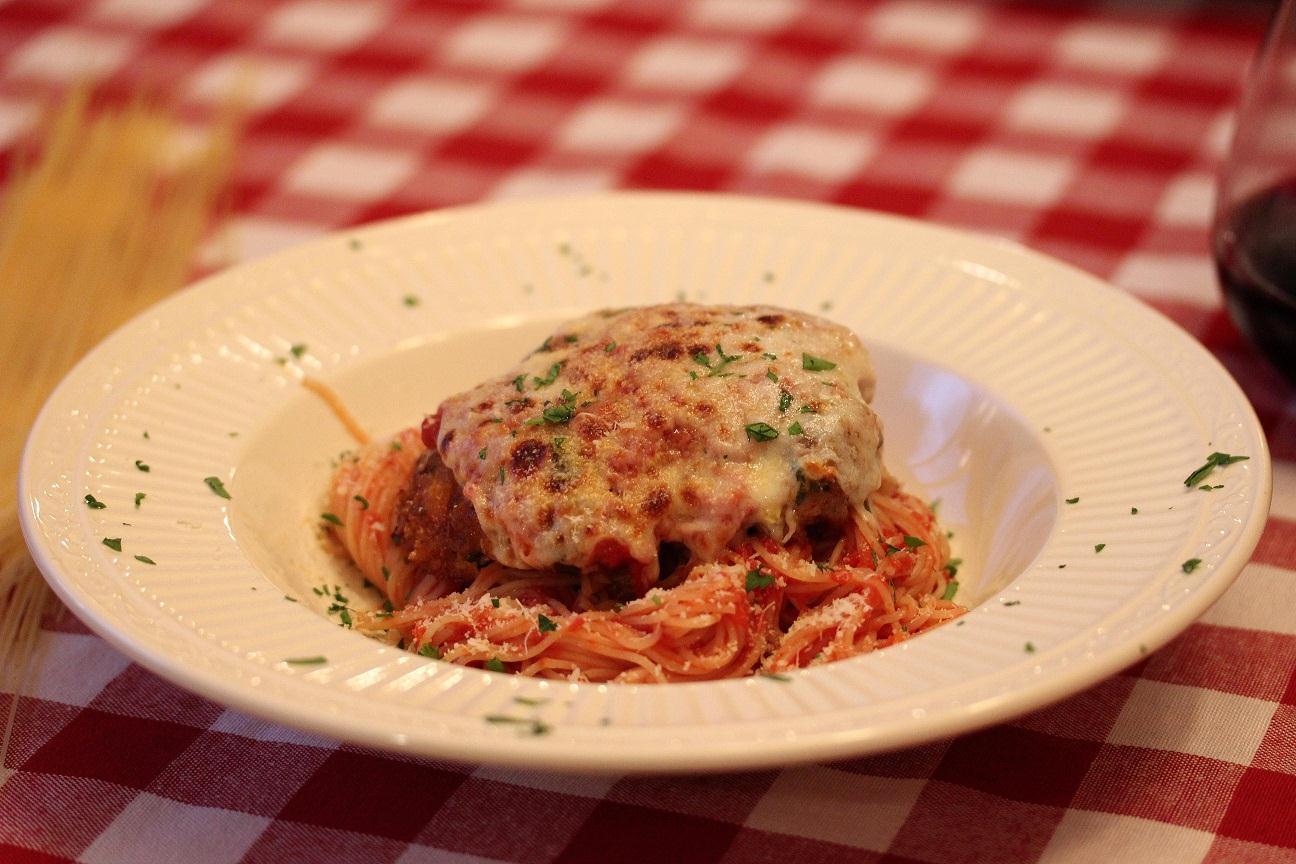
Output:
(826, 575)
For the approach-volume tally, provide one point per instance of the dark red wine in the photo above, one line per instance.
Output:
(1255, 254)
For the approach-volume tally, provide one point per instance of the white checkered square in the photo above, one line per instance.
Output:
(431, 104)
(943, 27)
(1061, 109)
(273, 80)
(504, 42)
(1188, 200)
(60, 54)
(1263, 596)
(151, 828)
(1012, 177)
(618, 127)
(348, 172)
(15, 119)
(823, 154)
(148, 13)
(1083, 835)
(546, 182)
(1284, 490)
(872, 85)
(752, 16)
(1189, 278)
(324, 25)
(685, 64)
(1164, 716)
(835, 806)
(74, 668)
(1113, 47)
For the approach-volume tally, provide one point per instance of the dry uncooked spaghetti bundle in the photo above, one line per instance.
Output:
(101, 221)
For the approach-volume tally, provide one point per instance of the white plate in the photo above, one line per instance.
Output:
(1008, 383)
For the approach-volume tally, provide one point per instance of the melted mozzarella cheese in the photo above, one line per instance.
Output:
(629, 428)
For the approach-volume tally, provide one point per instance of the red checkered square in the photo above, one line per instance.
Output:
(642, 834)
(60, 815)
(98, 745)
(724, 797)
(988, 828)
(1263, 809)
(765, 847)
(982, 761)
(1222, 658)
(139, 693)
(294, 843)
(377, 795)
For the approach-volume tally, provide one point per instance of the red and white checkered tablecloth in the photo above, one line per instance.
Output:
(1089, 131)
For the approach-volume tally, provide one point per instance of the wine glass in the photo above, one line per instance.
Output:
(1254, 236)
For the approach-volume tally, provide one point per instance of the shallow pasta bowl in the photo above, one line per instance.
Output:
(1009, 385)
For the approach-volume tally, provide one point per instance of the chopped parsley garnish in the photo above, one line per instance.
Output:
(139, 498)
(545, 624)
(1012, 602)
(530, 702)
(495, 665)
(307, 661)
(657, 600)
(795, 429)
(718, 368)
(1190, 565)
(1212, 460)
(1098, 547)
(570, 339)
(411, 300)
(146, 435)
(144, 559)
(364, 502)
(139, 463)
(914, 542)
(549, 378)
(113, 543)
(386, 574)
(216, 486)
(519, 382)
(535, 727)
(396, 446)
(495, 602)
(769, 373)
(1073, 500)
(1030, 647)
(952, 567)
(344, 615)
(331, 518)
(501, 474)
(290, 598)
(298, 349)
(95, 504)
(430, 650)
(811, 363)
(808, 409)
(768, 356)
(785, 401)
(761, 432)
(776, 676)
(1133, 511)
(558, 414)
(759, 579)
(481, 454)
(950, 590)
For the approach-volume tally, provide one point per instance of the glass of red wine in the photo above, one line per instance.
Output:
(1254, 237)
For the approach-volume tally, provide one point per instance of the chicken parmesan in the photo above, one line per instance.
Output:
(674, 492)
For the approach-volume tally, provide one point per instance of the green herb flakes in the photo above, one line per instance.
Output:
(481, 454)
(785, 401)
(1073, 500)
(1030, 647)
(558, 414)
(546, 624)
(795, 429)
(1098, 547)
(1190, 565)
(811, 363)
(362, 501)
(95, 504)
(1012, 602)
(610, 347)
(144, 559)
(306, 661)
(495, 602)
(952, 567)
(759, 579)
(139, 464)
(1133, 511)
(139, 499)
(411, 300)
(950, 590)
(430, 650)
(298, 350)
(761, 432)
(769, 373)
(776, 676)
(331, 518)
(217, 487)
(519, 382)
(113, 543)
(549, 377)
(914, 542)
(495, 665)
(1213, 460)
